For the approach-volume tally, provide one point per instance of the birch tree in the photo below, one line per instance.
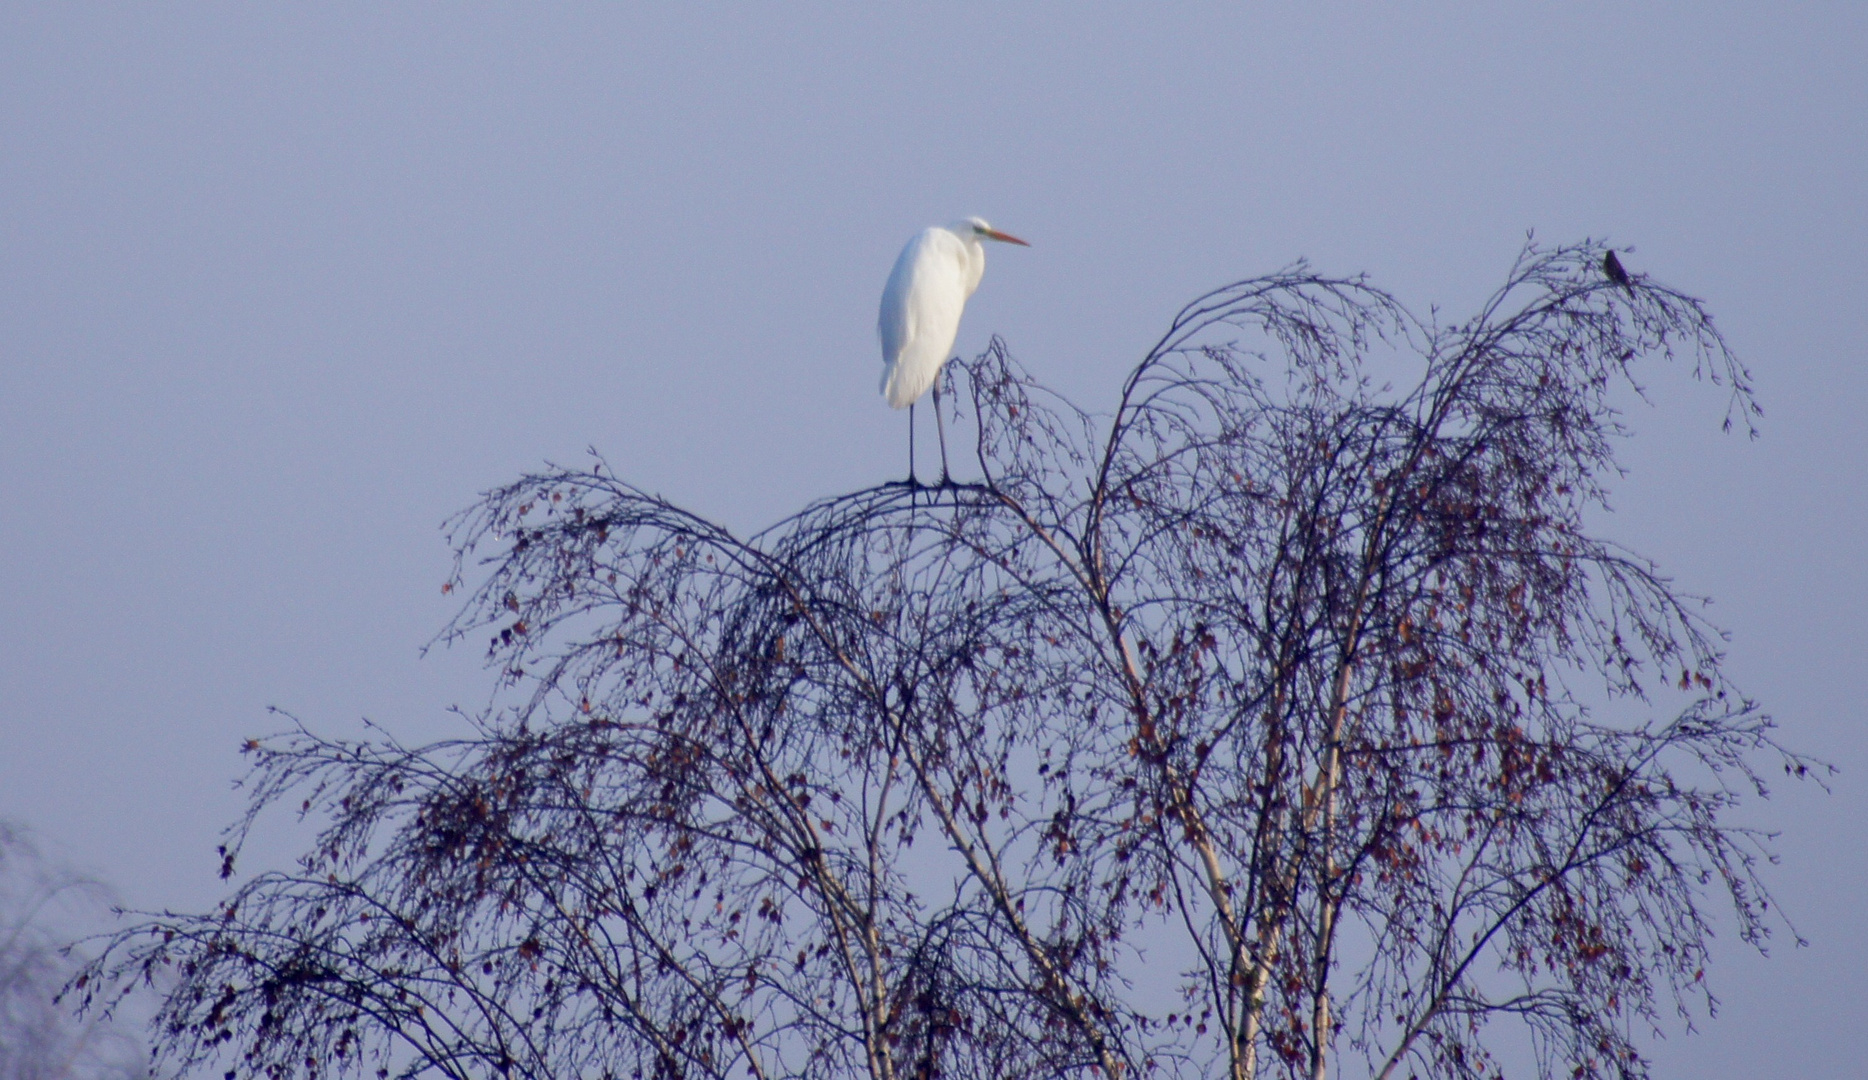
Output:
(1290, 718)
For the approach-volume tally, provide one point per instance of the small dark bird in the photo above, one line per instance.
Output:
(1612, 266)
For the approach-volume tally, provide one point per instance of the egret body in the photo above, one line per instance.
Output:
(921, 308)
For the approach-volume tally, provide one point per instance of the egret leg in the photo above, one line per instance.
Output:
(940, 428)
(912, 482)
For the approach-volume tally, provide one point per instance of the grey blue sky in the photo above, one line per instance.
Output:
(283, 286)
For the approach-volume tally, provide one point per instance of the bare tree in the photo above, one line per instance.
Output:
(1277, 721)
(40, 1038)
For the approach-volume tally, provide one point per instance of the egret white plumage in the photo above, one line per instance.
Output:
(921, 308)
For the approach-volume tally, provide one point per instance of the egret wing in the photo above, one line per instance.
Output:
(921, 308)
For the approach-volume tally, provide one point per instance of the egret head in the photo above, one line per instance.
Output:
(976, 229)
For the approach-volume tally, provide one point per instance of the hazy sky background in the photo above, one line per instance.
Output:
(280, 288)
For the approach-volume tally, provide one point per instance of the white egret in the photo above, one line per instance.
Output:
(921, 307)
